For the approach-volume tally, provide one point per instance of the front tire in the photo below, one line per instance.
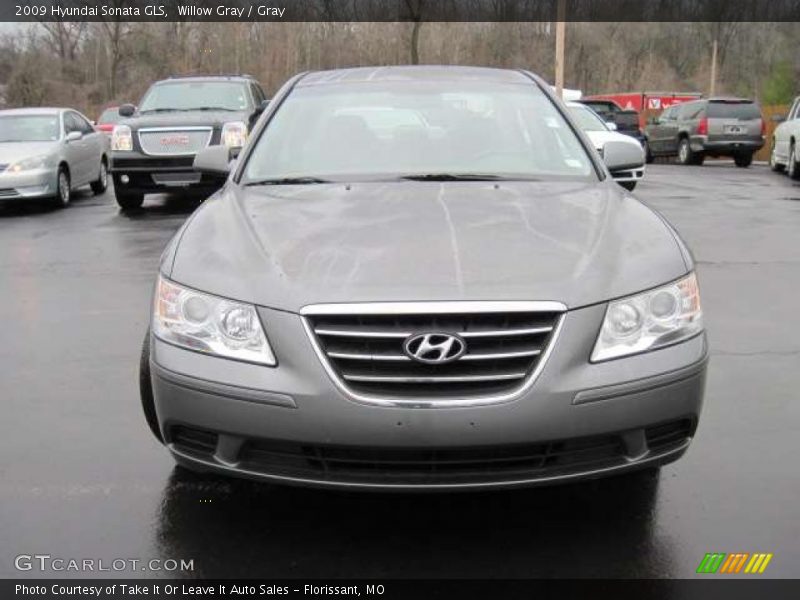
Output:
(127, 200)
(743, 160)
(63, 188)
(101, 185)
(793, 169)
(146, 390)
(773, 160)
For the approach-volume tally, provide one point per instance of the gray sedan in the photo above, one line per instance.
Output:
(48, 152)
(459, 297)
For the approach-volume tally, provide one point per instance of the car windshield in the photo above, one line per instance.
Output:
(388, 130)
(110, 115)
(733, 110)
(587, 119)
(29, 128)
(195, 95)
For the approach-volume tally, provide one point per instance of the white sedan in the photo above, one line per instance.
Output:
(600, 132)
(785, 153)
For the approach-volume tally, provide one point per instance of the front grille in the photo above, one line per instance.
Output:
(366, 352)
(174, 142)
(8, 193)
(183, 162)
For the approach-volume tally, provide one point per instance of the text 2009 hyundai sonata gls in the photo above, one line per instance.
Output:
(423, 278)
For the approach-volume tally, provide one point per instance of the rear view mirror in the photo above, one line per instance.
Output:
(622, 156)
(257, 113)
(126, 110)
(214, 161)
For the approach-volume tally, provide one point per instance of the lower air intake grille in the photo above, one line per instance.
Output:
(372, 354)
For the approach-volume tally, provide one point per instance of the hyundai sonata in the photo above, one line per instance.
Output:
(423, 278)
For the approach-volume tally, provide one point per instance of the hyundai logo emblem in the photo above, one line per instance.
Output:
(434, 348)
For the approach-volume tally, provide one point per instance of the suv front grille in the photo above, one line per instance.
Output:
(174, 142)
(365, 352)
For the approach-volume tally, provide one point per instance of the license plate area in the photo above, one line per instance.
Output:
(734, 129)
(176, 179)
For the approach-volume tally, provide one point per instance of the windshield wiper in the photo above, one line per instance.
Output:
(222, 108)
(158, 110)
(288, 181)
(452, 177)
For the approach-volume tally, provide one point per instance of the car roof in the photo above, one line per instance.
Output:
(206, 78)
(412, 73)
(39, 110)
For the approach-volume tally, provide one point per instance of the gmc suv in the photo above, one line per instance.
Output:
(153, 147)
(713, 127)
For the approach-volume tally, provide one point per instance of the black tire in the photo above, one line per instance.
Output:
(101, 185)
(698, 159)
(146, 390)
(127, 200)
(648, 155)
(685, 154)
(743, 160)
(63, 188)
(628, 185)
(793, 168)
(773, 161)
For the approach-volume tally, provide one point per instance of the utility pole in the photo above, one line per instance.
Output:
(560, 33)
(713, 85)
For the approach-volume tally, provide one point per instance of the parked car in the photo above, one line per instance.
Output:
(647, 104)
(785, 154)
(600, 133)
(473, 306)
(107, 119)
(692, 131)
(625, 121)
(49, 152)
(153, 146)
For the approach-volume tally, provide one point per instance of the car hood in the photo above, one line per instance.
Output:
(599, 138)
(11, 152)
(185, 119)
(290, 246)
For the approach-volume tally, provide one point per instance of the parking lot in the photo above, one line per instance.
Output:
(82, 477)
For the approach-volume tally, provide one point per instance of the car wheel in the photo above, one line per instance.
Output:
(628, 185)
(100, 186)
(685, 154)
(773, 160)
(648, 155)
(146, 390)
(743, 160)
(127, 200)
(64, 188)
(793, 169)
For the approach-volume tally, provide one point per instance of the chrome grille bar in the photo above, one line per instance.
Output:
(435, 379)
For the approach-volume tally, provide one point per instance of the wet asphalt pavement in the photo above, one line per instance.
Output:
(82, 477)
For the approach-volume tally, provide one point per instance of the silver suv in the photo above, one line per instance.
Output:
(692, 131)
(423, 278)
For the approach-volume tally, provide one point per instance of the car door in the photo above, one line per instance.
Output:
(785, 131)
(79, 152)
(669, 130)
(96, 146)
(657, 132)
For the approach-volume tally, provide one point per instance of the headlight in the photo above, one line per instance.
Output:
(234, 134)
(28, 164)
(121, 138)
(651, 320)
(209, 324)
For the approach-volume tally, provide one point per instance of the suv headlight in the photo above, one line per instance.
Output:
(209, 324)
(654, 319)
(28, 164)
(234, 134)
(121, 139)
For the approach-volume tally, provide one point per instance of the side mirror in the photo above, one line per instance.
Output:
(257, 113)
(126, 110)
(778, 118)
(611, 125)
(214, 161)
(73, 136)
(653, 121)
(622, 156)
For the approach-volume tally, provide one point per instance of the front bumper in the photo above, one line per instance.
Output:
(36, 183)
(725, 147)
(291, 424)
(141, 173)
